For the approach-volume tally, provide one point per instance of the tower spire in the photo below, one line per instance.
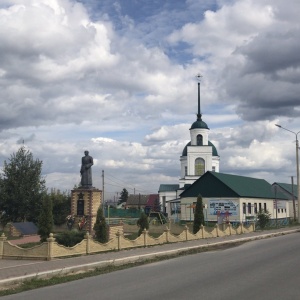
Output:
(199, 115)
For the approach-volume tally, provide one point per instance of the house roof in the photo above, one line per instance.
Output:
(152, 200)
(26, 228)
(137, 199)
(289, 188)
(213, 184)
(168, 187)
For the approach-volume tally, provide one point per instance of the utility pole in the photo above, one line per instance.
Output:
(103, 193)
(297, 166)
(294, 204)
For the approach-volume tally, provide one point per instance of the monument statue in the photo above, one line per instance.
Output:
(86, 170)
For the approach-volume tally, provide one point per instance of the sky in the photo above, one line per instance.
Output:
(118, 78)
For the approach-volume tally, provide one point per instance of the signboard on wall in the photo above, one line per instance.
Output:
(279, 204)
(223, 206)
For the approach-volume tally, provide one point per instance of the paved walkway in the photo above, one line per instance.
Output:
(26, 239)
(13, 271)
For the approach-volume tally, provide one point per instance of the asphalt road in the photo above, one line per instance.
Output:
(263, 269)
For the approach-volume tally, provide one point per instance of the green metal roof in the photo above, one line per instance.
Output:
(199, 124)
(214, 149)
(288, 188)
(168, 187)
(213, 184)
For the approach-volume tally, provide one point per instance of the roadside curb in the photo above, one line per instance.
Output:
(134, 259)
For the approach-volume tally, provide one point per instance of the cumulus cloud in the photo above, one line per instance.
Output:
(118, 79)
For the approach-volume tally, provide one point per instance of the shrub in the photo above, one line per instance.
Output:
(45, 220)
(199, 215)
(143, 223)
(69, 238)
(100, 227)
(263, 218)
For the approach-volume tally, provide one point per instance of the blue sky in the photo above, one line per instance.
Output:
(118, 78)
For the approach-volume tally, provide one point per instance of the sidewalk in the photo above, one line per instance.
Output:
(14, 271)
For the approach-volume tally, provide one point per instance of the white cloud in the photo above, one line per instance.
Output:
(122, 86)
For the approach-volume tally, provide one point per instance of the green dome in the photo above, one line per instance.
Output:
(214, 149)
(199, 124)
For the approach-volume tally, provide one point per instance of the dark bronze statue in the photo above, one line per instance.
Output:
(86, 170)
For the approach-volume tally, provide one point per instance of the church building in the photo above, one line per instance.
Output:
(198, 157)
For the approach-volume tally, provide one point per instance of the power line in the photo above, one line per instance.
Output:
(124, 184)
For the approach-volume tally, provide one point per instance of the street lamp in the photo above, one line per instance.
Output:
(297, 166)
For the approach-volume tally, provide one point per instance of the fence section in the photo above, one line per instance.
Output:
(51, 249)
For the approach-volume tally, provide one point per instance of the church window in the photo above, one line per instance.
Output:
(185, 170)
(199, 140)
(249, 208)
(199, 166)
(244, 208)
(214, 169)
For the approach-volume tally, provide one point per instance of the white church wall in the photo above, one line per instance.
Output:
(195, 132)
(195, 152)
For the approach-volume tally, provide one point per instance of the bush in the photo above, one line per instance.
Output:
(143, 223)
(100, 227)
(199, 216)
(263, 218)
(45, 220)
(69, 238)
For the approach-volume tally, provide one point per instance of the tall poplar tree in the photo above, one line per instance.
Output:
(22, 187)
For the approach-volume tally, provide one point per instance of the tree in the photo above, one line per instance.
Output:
(100, 227)
(45, 220)
(123, 196)
(22, 187)
(199, 215)
(263, 218)
(143, 223)
(61, 206)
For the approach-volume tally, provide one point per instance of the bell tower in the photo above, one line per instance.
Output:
(199, 155)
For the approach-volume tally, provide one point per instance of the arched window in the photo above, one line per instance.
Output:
(199, 140)
(199, 166)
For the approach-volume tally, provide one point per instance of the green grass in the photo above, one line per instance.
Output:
(133, 236)
(29, 245)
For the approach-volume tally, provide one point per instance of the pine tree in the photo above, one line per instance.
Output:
(143, 223)
(123, 196)
(199, 215)
(45, 220)
(100, 227)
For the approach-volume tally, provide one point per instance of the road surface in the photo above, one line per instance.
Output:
(264, 269)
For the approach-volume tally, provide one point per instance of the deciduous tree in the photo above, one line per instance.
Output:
(22, 187)
(61, 203)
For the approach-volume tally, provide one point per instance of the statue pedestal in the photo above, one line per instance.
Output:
(84, 207)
